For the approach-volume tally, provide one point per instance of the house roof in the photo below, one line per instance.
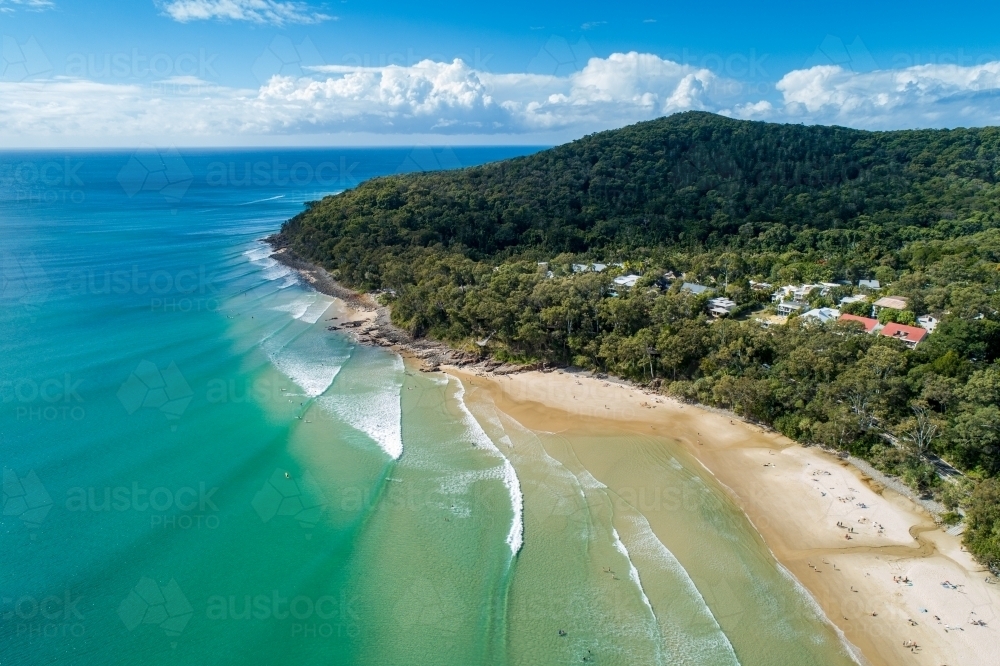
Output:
(903, 332)
(868, 323)
(892, 302)
(822, 314)
(694, 288)
(627, 280)
(869, 284)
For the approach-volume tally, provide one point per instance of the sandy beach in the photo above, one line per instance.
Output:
(900, 589)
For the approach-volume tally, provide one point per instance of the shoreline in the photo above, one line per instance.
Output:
(804, 502)
(801, 500)
(376, 328)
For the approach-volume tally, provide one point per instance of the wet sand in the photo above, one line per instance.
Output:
(897, 581)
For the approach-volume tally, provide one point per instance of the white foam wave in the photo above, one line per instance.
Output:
(515, 537)
(316, 309)
(308, 307)
(587, 480)
(259, 252)
(849, 648)
(633, 573)
(276, 271)
(296, 308)
(271, 269)
(247, 203)
(312, 375)
(374, 407)
(302, 353)
(647, 543)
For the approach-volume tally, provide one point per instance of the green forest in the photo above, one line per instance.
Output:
(487, 253)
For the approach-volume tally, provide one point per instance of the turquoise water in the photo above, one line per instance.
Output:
(195, 470)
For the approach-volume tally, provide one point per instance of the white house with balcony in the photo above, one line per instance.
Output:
(721, 306)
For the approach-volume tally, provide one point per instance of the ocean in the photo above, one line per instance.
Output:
(196, 470)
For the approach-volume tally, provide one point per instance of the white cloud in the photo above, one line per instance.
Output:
(274, 12)
(921, 96)
(453, 99)
(427, 97)
(9, 6)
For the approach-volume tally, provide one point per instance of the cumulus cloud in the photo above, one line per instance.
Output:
(454, 99)
(920, 96)
(427, 97)
(274, 12)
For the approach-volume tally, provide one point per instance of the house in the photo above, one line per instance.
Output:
(869, 284)
(761, 286)
(721, 306)
(786, 308)
(856, 298)
(892, 302)
(869, 323)
(584, 268)
(910, 335)
(696, 289)
(627, 280)
(798, 293)
(782, 293)
(927, 322)
(663, 282)
(822, 315)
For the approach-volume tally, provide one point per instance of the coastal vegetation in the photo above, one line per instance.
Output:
(502, 255)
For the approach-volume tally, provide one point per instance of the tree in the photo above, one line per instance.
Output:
(982, 533)
(919, 430)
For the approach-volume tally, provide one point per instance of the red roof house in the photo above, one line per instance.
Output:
(868, 323)
(910, 335)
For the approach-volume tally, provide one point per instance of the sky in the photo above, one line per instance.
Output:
(79, 73)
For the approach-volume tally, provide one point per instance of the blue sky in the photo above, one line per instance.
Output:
(253, 72)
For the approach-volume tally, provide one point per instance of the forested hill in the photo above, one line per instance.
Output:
(488, 253)
(688, 178)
